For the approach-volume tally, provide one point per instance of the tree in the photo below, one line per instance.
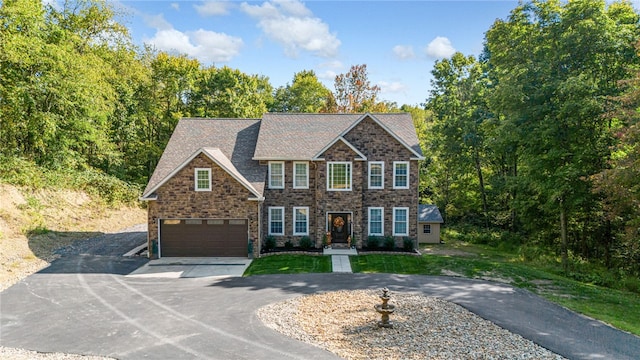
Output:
(354, 92)
(457, 147)
(56, 95)
(306, 94)
(553, 65)
(230, 93)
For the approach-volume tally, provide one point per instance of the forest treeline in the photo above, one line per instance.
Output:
(76, 92)
(536, 138)
(539, 135)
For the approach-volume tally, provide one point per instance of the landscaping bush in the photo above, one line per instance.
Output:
(269, 243)
(288, 245)
(305, 243)
(373, 242)
(389, 243)
(408, 244)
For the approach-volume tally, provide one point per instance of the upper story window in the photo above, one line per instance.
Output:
(300, 175)
(376, 175)
(276, 175)
(401, 175)
(400, 221)
(339, 176)
(202, 179)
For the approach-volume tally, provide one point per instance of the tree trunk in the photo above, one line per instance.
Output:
(483, 193)
(563, 235)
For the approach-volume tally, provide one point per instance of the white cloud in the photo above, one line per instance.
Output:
(440, 48)
(213, 8)
(328, 75)
(404, 52)
(157, 22)
(292, 25)
(392, 87)
(175, 6)
(206, 46)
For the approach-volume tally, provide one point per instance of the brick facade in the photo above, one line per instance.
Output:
(177, 199)
(377, 145)
(229, 198)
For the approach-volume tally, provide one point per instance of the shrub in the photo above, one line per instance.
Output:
(288, 245)
(408, 244)
(389, 243)
(305, 243)
(269, 243)
(373, 242)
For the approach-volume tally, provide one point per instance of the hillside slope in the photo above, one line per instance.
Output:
(34, 223)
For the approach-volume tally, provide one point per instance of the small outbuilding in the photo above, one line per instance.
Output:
(429, 220)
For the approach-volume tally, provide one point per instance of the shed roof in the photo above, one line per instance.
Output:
(429, 213)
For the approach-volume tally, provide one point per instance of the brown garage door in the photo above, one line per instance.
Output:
(206, 237)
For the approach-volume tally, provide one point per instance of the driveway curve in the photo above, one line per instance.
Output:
(85, 304)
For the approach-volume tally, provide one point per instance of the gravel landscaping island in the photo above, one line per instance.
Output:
(345, 323)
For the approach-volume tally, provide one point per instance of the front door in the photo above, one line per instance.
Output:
(339, 225)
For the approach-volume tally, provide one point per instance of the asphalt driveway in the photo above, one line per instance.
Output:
(86, 304)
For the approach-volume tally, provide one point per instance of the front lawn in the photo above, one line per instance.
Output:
(289, 264)
(618, 308)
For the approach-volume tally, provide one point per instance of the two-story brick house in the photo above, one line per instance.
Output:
(223, 185)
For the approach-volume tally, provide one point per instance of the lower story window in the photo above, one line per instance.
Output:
(426, 228)
(300, 221)
(400, 221)
(376, 227)
(276, 221)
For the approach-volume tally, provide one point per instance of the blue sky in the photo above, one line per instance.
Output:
(399, 41)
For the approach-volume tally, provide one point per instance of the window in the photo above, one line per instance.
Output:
(401, 175)
(376, 175)
(400, 221)
(300, 221)
(276, 221)
(339, 177)
(376, 223)
(276, 175)
(300, 175)
(426, 228)
(203, 179)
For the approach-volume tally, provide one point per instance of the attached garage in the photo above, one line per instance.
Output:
(203, 237)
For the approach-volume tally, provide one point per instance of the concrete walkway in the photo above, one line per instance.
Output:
(340, 259)
(340, 264)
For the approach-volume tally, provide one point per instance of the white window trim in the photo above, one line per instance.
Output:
(195, 175)
(306, 232)
(382, 175)
(406, 209)
(329, 165)
(395, 164)
(271, 208)
(271, 186)
(295, 178)
(381, 220)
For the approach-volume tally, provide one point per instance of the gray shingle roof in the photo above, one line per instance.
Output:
(429, 213)
(235, 138)
(302, 136)
(276, 136)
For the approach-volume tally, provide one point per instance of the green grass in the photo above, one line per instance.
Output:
(616, 307)
(289, 264)
(21, 172)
